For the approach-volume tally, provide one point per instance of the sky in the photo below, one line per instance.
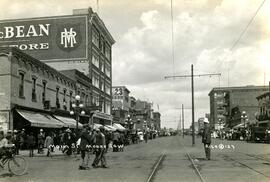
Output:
(204, 32)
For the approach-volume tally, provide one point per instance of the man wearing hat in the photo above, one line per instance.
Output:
(85, 145)
(206, 138)
(100, 148)
(16, 141)
(41, 139)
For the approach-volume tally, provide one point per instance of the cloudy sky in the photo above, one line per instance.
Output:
(204, 32)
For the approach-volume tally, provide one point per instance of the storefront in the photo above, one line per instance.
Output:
(102, 118)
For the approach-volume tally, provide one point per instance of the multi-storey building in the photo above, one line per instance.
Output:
(79, 41)
(228, 103)
(32, 94)
(157, 121)
(263, 116)
(121, 104)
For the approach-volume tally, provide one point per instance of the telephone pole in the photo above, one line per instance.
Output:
(192, 93)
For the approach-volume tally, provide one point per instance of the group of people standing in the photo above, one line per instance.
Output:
(96, 141)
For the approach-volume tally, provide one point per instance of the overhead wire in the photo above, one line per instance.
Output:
(236, 42)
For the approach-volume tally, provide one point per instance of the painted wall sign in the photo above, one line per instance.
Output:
(52, 38)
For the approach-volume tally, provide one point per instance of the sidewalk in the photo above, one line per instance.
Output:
(56, 152)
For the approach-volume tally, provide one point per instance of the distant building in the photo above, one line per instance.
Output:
(157, 120)
(121, 104)
(263, 115)
(228, 103)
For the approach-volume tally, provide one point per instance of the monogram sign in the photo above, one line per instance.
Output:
(50, 39)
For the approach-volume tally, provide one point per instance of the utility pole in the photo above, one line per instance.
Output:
(192, 93)
(183, 122)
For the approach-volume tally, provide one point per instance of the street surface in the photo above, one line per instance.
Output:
(241, 162)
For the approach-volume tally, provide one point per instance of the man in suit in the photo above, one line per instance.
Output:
(100, 148)
(85, 145)
(206, 138)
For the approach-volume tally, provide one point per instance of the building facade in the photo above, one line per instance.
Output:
(157, 120)
(27, 86)
(228, 103)
(121, 104)
(79, 41)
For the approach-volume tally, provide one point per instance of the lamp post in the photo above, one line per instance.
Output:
(244, 118)
(219, 123)
(77, 107)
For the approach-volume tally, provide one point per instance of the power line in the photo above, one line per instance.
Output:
(249, 23)
(240, 37)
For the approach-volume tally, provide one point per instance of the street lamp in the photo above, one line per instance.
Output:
(219, 123)
(77, 110)
(244, 118)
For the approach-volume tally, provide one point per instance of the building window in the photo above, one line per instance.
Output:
(107, 71)
(44, 83)
(70, 99)
(102, 66)
(102, 85)
(107, 89)
(95, 81)
(21, 85)
(64, 99)
(101, 44)
(57, 98)
(108, 108)
(95, 100)
(108, 52)
(34, 94)
(95, 37)
(95, 60)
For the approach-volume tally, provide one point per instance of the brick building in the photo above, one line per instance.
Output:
(228, 103)
(79, 41)
(32, 94)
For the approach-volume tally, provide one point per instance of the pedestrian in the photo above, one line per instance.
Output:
(16, 141)
(100, 149)
(116, 138)
(68, 140)
(31, 141)
(49, 144)
(145, 136)
(85, 144)
(41, 138)
(206, 138)
(22, 137)
(121, 142)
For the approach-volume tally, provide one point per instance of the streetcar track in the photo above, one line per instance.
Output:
(193, 164)
(157, 164)
(256, 157)
(195, 167)
(247, 166)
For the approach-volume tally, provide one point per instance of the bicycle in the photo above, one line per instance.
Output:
(17, 165)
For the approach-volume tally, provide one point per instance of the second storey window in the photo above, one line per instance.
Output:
(57, 98)
(21, 85)
(44, 84)
(34, 94)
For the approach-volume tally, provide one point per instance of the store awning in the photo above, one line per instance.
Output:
(119, 127)
(40, 119)
(96, 126)
(241, 125)
(70, 122)
(109, 128)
